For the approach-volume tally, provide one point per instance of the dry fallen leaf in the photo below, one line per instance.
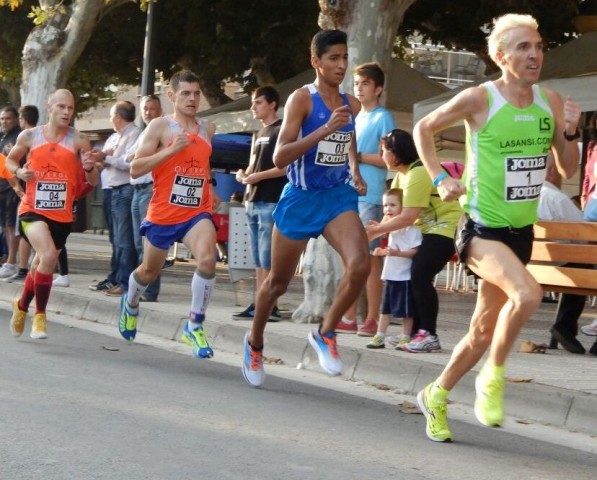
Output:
(409, 408)
(381, 386)
(273, 361)
(110, 349)
(519, 380)
(531, 347)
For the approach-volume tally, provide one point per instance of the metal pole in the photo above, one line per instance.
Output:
(148, 78)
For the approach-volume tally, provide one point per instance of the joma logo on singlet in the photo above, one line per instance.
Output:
(528, 163)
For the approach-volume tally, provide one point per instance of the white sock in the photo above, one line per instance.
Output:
(381, 334)
(201, 287)
(135, 290)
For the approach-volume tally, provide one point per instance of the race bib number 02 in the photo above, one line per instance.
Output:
(524, 177)
(50, 196)
(187, 191)
(332, 151)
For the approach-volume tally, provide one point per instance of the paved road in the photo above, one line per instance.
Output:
(85, 405)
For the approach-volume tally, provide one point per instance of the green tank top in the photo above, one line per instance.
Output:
(506, 161)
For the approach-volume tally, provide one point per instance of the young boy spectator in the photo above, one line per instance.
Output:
(397, 297)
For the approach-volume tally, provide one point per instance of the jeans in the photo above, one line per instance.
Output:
(261, 224)
(367, 212)
(141, 198)
(122, 230)
(107, 205)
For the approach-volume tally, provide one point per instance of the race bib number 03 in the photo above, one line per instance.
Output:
(524, 177)
(50, 196)
(187, 191)
(332, 151)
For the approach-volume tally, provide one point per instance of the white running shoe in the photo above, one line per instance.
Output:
(253, 365)
(590, 330)
(61, 281)
(8, 270)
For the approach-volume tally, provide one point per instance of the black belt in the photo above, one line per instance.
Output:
(142, 186)
(120, 186)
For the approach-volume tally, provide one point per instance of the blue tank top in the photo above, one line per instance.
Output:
(326, 164)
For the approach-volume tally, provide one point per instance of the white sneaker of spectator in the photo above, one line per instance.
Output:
(8, 270)
(61, 281)
(590, 330)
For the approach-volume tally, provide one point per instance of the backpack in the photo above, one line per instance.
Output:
(454, 169)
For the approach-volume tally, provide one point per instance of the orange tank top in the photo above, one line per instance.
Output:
(181, 188)
(4, 173)
(56, 166)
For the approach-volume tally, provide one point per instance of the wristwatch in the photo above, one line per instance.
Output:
(572, 137)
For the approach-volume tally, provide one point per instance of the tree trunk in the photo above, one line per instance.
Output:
(371, 26)
(322, 269)
(52, 48)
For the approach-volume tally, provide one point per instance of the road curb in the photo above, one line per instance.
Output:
(534, 402)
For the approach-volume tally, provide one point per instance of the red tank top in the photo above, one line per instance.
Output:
(180, 184)
(56, 166)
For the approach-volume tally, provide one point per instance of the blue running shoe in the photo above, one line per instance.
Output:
(327, 351)
(127, 323)
(198, 340)
(253, 365)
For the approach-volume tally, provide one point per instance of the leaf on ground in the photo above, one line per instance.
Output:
(381, 386)
(110, 349)
(531, 347)
(519, 380)
(273, 361)
(409, 408)
(524, 421)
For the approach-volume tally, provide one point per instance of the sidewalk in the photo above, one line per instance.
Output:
(557, 388)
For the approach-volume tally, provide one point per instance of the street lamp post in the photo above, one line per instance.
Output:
(148, 76)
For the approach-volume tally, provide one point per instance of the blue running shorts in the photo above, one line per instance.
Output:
(163, 236)
(301, 214)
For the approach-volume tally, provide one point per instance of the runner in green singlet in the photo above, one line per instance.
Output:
(511, 125)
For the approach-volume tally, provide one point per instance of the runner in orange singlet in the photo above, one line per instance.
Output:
(55, 152)
(176, 151)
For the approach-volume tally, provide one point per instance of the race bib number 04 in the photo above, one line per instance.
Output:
(50, 196)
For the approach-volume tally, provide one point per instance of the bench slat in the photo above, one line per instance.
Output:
(571, 252)
(552, 244)
(582, 231)
(578, 278)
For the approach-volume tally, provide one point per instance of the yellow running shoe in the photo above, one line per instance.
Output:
(38, 326)
(17, 321)
(489, 404)
(436, 414)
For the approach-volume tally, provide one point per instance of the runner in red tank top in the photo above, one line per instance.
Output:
(54, 152)
(176, 151)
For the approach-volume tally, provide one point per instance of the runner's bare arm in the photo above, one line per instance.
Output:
(156, 147)
(466, 106)
(83, 146)
(20, 149)
(567, 115)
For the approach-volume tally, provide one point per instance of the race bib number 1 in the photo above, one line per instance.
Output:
(524, 177)
(187, 191)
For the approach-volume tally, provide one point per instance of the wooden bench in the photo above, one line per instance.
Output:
(558, 243)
